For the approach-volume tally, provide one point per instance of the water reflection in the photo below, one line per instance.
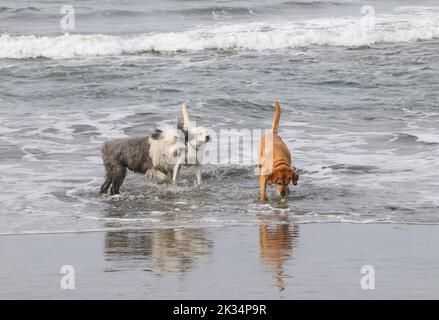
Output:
(276, 242)
(159, 251)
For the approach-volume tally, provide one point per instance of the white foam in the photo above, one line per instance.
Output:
(428, 137)
(344, 31)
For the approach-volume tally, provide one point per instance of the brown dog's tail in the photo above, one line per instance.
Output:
(275, 126)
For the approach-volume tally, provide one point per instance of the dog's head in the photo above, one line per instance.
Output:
(282, 177)
(198, 136)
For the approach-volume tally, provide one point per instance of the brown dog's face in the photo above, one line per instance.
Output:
(281, 179)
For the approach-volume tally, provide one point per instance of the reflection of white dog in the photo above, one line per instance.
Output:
(178, 250)
(173, 147)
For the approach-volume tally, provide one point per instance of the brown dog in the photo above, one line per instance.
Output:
(275, 161)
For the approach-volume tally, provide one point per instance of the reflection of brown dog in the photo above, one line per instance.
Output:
(276, 243)
(275, 161)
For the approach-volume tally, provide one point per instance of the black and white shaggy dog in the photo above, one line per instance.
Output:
(157, 155)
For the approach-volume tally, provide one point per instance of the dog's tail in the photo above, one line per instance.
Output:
(275, 126)
(186, 121)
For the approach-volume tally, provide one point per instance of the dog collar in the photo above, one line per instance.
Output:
(186, 141)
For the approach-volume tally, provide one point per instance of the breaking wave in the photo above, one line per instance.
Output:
(347, 31)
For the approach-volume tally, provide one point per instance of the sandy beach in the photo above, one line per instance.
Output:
(269, 261)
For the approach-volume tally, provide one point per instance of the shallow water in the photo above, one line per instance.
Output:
(360, 109)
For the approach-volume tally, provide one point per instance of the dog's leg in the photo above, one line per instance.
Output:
(175, 172)
(176, 169)
(262, 188)
(106, 184)
(198, 171)
(120, 174)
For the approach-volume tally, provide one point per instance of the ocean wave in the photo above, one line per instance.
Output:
(428, 138)
(315, 3)
(213, 11)
(421, 137)
(347, 31)
(418, 10)
(17, 10)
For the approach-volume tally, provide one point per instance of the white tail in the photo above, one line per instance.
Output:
(186, 121)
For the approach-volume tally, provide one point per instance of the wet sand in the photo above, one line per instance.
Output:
(265, 261)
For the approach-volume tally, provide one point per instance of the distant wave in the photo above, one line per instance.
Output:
(347, 31)
(17, 10)
(315, 3)
(214, 10)
(418, 10)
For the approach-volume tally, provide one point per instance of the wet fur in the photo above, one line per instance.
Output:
(146, 155)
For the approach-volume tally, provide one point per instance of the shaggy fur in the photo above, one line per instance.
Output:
(155, 156)
(120, 154)
(197, 139)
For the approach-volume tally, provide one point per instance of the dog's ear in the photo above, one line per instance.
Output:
(156, 134)
(270, 178)
(180, 125)
(294, 177)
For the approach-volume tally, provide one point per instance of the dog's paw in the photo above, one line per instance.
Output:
(197, 184)
(157, 176)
